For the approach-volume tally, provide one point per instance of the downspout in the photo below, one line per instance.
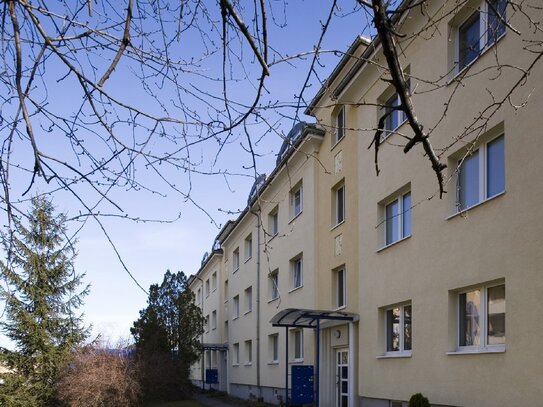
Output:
(257, 213)
(202, 365)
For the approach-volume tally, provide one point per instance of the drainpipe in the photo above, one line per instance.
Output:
(257, 213)
(202, 365)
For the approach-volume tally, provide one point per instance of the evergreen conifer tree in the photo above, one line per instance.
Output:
(41, 300)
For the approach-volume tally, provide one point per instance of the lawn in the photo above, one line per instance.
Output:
(182, 403)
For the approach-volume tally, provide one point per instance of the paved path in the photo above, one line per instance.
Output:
(212, 401)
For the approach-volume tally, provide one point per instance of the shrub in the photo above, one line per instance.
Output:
(100, 377)
(418, 400)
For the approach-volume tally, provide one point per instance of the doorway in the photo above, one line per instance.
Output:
(342, 377)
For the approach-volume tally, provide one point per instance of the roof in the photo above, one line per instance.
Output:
(309, 318)
(371, 47)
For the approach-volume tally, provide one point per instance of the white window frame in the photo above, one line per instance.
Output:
(402, 233)
(297, 345)
(248, 352)
(274, 348)
(273, 222)
(402, 351)
(235, 307)
(295, 209)
(235, 351)
(273, 281)
(484, 346)
(207, 288)
(199, 296)
(339, 133)
(214, 320)
(206, 323)
(482, 174)
(294, 270)
(248, 247)
(214, 282)
(340, 287)
(339, 203)
(235, 260)
(248, 299)
(483, 10)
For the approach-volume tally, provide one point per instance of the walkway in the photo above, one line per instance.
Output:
(212, 401)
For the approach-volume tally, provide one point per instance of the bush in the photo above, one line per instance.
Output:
(163, 377)
(100, 377)
(418, 400)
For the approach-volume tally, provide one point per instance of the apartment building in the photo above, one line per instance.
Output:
(443, 293)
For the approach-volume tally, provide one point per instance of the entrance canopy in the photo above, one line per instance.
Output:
(214, 346)
(309, 318)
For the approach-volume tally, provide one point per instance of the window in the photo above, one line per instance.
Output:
(394, 116)
(226, 290)
(397, 218)
(298, 340)
(340, 124)
(214, 320)
(274, 348)
(481, 318)
(248, 299)
(214, 281)
(248, 247)
(248, 352)
(273, 222)
(398, 329)
(199, 296)
(235, 356)
(296, 272)
(296, 200)
(206, 323)
(480, 31)
(340, 288)
(207, 288)
(481, 175)
(273, 284)
(235, 260)
(235, 307)
(338, 204)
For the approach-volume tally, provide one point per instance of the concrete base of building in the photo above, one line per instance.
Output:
(271, 395)
(373, 402)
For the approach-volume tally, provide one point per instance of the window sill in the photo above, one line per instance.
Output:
(393, 243)
(340, 308)
(273, 362)
(296, 288)
(247, 259)
(396, 355)
(235, 270)
(247, 312)
(298, 360)
(248, 364)
(273, 236)
(469, 208)
(235, 364)
(337, 225)
(272, 300)
(295, 216)
(483, 51)
(477, 351)
(234, 318)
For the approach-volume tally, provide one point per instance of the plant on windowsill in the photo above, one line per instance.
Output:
(418, 400)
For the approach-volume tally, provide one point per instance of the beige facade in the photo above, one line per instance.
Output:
(446, 290)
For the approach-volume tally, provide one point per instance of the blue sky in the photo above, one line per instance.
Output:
(148, 249)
